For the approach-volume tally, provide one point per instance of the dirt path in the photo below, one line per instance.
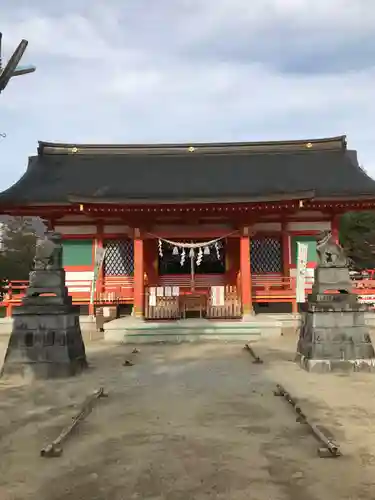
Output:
(189, 422)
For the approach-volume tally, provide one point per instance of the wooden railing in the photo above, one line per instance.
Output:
(184, 280)
(13, 293)
(113, 290)
(119, 289)
(161, 303)
(274, 289)
(230, 309)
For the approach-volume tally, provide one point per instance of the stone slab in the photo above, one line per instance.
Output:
(176, 337)
(328, 365)
(132, 330)
(43, 370)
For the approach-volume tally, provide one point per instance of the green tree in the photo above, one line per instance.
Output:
(357, 235)
(18, 248)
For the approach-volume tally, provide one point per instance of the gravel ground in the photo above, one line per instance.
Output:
(189, 422)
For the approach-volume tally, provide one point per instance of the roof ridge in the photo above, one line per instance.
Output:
(328, 143)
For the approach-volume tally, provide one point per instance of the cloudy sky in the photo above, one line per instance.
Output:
(188, 70)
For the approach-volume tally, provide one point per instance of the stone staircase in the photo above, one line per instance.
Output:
(132, 330)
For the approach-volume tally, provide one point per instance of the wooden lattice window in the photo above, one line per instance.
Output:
(119, 258)
(266, 255)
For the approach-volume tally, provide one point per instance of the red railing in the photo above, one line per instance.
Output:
(184, 280)
(112, 290)
(273, 288)
(115, 289)
(270, 288)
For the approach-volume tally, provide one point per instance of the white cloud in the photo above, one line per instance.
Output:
(189, 71)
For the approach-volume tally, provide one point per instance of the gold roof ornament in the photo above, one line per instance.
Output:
(191, 149)
(309, 145)
(74, 150)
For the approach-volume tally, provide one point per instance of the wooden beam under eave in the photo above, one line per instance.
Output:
(193, 232)
(183, 208)
(42, 212)
(341, 206)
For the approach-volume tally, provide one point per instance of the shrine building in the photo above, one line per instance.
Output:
(211, 228)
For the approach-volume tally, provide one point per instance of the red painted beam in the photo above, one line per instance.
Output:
(223, 209)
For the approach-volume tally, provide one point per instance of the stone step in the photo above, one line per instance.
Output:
(131, 330)
(177, 336)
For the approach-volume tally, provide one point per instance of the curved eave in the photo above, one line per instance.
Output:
(324, 205)
(305, 195)
(328, 143)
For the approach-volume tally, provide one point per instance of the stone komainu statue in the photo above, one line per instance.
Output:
(330, 253)
(48, 252)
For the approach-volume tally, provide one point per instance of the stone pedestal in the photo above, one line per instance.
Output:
(49, 286)
(331, 278)
(46, 339)
(334, 336)
(46, 342)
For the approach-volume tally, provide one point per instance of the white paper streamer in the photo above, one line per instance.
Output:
(183, 257)
(160, 244)
(200, 256)
(217, 250)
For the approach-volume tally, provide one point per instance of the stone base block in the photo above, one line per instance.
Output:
(334, 365)
(32, 371)
(45, 343)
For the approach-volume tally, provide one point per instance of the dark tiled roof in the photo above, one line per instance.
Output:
(232, 171)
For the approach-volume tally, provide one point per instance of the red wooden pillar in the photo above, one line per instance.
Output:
(335, 228)
(100, 244)
(245, 273)
(149, 252)
(231, 261)
(138, 274)
(285, 245)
